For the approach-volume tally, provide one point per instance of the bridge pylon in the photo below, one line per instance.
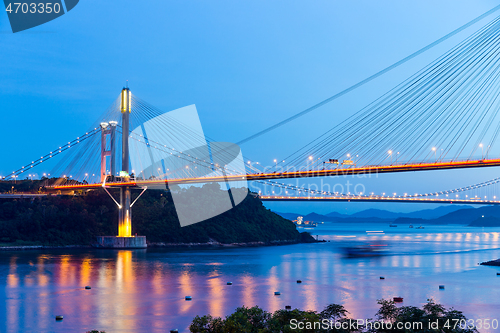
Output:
(124, 238)
(125, 213)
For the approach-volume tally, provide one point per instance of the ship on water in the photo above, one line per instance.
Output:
(300, 223)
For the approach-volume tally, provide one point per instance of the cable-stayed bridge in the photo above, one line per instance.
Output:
(443, 117)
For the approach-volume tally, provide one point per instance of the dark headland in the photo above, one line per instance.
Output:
(76, 220)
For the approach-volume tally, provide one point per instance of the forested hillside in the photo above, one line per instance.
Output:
(72, 220)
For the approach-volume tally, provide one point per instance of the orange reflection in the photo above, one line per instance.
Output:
(159, 289)
(12, 277)
(124, 271)
(64, 270)
(274, 285)
(248, 290)
(43, 279)
(186, 290)
(12, 293)
(85, 270)
(216, 294)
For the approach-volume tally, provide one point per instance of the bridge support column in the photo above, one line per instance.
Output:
(125, 214)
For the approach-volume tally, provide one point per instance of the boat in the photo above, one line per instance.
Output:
(300, 223)
(310, 224)
(420, 227)
(393, 225)
(411, 226)
(375, 249)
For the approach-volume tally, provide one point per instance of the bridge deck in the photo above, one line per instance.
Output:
(298, 174)
(382, 199)
(20, 195)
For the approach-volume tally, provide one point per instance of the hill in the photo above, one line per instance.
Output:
(75, 220)
(453, 214)
(488, 221)
(376, 213)
(420, 214)
(436, 212)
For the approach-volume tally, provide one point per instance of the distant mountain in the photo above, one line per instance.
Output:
(343, 218)
(410, 220)
(467, 216)
(385, 214)
(288, 216)
(436, 212)
(309, 217)
(335, 214)
(453, 214)
(319, 218)
(488, 221)
(379, 213)
(334, 218)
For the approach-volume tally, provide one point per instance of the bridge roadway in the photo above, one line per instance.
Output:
(20, 195)
(294, 174)
(381, 199)
(325, 199)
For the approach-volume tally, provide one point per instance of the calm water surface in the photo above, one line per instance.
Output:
(144, 290)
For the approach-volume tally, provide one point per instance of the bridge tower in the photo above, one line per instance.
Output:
(125, 213)
(124, 238)
(108, 130)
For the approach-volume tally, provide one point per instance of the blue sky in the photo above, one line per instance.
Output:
(246, 64)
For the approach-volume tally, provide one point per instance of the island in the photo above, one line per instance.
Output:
(61, 220)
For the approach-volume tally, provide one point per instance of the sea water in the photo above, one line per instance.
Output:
(144, 290)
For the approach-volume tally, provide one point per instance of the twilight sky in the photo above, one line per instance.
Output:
(246, 64)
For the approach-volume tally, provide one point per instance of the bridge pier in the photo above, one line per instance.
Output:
(125, 214)
(117, 242)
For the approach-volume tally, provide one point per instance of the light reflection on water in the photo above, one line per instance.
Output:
(144, 290)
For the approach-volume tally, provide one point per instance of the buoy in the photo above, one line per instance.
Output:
(174, 331)
(88, 287)
(277, 293)
(299, 281)
(398, 299)
(59, 317)
(229, 283)
(288, 307)
(441, 287)
(188, 298)
(382, 278)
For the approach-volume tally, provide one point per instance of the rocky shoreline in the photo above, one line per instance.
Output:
(491, 263)
(223, 245)
(38, 247)
(211, 244)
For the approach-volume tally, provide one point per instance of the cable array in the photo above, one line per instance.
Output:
(446, 111)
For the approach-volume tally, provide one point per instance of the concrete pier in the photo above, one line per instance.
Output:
(115, 242)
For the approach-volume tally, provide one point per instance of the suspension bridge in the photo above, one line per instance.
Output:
(443, 117)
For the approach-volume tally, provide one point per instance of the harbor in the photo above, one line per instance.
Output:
(145, 289)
